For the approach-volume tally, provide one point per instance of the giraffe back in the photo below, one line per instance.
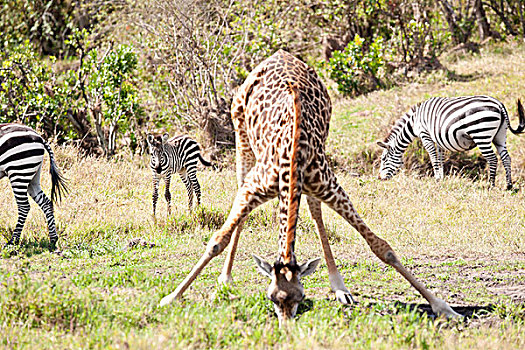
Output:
(263, 106)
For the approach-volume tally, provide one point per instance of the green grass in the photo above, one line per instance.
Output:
(464, 240)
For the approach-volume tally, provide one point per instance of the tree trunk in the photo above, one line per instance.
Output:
(483, 24)
(458, 35)
(520, 5)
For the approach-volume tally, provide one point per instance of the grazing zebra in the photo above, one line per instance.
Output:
(178, 154)
(21, 157)
(454, 124)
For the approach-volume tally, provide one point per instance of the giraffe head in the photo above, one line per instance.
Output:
(156, 150)
(285, 290)
(391, 161)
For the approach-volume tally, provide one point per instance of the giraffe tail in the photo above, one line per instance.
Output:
(294, 195)
(58, 182)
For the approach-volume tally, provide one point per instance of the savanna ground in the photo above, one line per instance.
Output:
(464, 240)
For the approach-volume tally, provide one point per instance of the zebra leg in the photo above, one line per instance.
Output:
(155, 192)
(440, 161)
(192, 174)
(487, 152)
(505, 159)
(189, 188)
(23, 209)
(167, 193)
(434, 158)
(46, 205)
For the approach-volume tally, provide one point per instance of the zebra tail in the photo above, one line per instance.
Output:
(58, 182)
(521, 117)
(204, 161)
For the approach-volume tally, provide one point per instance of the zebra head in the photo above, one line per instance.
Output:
(391, 161)
(156, 150)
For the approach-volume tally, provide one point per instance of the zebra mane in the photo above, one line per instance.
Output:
(401, 122)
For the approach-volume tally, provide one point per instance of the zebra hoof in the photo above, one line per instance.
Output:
(53, 244)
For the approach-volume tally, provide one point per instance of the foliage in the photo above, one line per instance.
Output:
(356, 70)
(30, 93)
(100, 94)
(107, 89)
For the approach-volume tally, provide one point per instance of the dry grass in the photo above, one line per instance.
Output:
(463, 239)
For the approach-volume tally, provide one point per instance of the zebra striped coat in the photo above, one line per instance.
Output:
(21, 157)
(454, 124)
(176, 155)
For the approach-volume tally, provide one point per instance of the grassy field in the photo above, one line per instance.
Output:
(464, 240)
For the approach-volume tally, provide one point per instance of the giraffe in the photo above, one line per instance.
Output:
(281, 115)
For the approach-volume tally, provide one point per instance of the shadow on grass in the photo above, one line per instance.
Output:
(453, 76)
(27, 248)
(474, 311)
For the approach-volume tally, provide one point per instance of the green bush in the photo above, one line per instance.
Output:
(357, 68)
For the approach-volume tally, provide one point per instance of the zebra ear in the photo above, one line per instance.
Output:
(149, 138)
(165, 137)
(383, 144)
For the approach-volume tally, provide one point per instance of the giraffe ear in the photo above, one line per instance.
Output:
(149, 138)
(263, 267)
(309, 267)
(165, 137)
(383, 144)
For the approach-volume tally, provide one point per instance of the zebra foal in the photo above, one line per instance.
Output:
(21, 157)
(178, 154)
(454, 124)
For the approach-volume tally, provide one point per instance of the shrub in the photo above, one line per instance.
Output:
(357, 68)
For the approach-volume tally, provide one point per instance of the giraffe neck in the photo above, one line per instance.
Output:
(294, 194)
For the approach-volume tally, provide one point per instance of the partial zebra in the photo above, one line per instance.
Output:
(21, 157)
(178, 154)
(454, 124)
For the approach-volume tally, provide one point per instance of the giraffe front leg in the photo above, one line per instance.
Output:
(167, 193)
(336, 280)
(245, 161)
(249, 196)
(337, 199)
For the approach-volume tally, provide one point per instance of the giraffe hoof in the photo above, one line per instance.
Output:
(441, 308)
(344, 298)
(224, 279)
